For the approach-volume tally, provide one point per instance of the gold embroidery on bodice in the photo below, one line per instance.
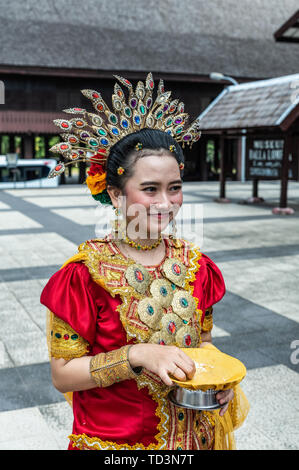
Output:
(157, 302)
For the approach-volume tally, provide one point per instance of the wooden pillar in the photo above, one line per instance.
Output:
(255, 188)
(255, 197)
(239, 159)
(296, 155)
(284, 172)
(28, 146)
(223, 145)
(47, 138)
(203, 162)
(200, 164)
(22, 147)
(82, 172)
(216, 153)
(11, 145)
(223, 158)
(33, 145)
(283, 209)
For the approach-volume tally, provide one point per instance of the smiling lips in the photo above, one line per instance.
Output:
(160, 215)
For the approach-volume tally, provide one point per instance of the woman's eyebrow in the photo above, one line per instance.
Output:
(146, 183)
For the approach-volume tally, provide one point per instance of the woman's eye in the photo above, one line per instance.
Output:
(150, 189)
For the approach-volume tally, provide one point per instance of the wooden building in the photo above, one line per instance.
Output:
(267, 113)
(52, 50)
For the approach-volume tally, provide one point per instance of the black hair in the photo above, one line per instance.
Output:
(124, 154)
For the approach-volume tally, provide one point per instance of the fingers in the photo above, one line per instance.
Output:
(224, 398)
(170, 361)
(178, 373)
(223, 410)
(186, 370)
(166, 379)
(181, 372)
(186, 364)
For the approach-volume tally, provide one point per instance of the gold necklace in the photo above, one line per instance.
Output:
(142, 247)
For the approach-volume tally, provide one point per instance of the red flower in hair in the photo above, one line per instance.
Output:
(96, 169)
(96, 180)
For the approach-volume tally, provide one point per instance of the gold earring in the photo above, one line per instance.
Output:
(115, 223)
(173, 229)
(118, 225)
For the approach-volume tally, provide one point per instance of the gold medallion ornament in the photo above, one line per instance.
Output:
(161, 338)
(168, 309)
(187, 337)
(183, 304)
(175, 271)
(162, 291)
(138, 277)
(89, 136)
(171, 323)
(150, 312)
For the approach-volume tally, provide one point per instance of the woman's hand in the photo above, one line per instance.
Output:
(163, 361)
(224, 398)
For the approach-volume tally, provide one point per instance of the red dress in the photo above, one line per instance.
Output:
(132, 414)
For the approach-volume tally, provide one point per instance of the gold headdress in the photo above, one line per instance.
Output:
(89, 136)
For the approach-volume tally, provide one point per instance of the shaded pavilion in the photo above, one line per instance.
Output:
(267, 113)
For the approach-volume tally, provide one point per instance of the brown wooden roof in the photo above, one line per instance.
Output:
(172, 36)
(258, 104)
(22, 122)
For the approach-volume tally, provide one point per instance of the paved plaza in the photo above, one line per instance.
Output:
(256, 321)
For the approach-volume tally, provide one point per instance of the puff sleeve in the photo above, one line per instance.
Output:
(213, 282)
(213, 289)
(72, 300)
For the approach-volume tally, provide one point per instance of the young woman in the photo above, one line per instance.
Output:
(122, 309)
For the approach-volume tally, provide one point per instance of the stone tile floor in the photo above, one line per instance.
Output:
(256, 321)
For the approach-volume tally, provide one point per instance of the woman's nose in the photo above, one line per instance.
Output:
(163, 201)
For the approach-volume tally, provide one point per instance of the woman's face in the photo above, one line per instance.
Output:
(153, 195)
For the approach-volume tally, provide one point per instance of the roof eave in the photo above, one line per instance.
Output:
(283, 28)
(289, 119)
(239, 130)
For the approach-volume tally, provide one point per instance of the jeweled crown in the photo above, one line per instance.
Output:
(89, 136)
